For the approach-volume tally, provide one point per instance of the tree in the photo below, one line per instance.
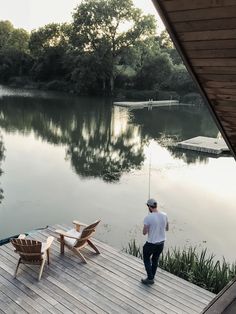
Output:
(48, 46)
(49, 36)
(165, 40)
(13, 38)
(181, 81)
(87, 73)
(14, 63)
(98, 28)
(166, 45)
(155, 72)
(19, 40)
(14, 56)
(175, 57)
(6, 28)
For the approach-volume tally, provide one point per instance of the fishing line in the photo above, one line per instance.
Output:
(149, 172)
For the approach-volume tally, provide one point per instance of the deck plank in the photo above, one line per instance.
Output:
(109, 283)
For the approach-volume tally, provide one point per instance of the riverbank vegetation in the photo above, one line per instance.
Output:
(110, 47)
(193, 265)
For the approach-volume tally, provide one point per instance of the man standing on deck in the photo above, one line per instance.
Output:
(155, 226)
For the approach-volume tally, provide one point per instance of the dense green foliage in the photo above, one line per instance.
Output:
(110, 47)
(197, 267)
(14, 57)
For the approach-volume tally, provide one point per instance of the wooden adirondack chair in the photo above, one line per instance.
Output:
(32, 252)
(75, 239)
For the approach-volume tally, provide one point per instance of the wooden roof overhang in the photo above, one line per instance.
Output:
(204, 33)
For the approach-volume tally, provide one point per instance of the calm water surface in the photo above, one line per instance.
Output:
(66, 157)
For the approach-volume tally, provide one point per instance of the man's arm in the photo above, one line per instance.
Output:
(145, 229)
(167, 225)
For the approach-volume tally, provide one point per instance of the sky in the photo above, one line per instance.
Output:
(32, 14)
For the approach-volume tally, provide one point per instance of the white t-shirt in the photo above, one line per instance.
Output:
(156, 223)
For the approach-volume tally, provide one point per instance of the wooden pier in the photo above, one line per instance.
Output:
(204, 144)
(146, 104)
(109, 283)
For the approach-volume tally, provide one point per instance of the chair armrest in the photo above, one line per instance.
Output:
(63, 233)
(21, 236)
(78, 225)
(76, 222)
(49, 242)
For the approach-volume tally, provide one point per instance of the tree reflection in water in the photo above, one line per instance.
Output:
(101, 146)
(170, 125)
(98, 142)
(101, 140)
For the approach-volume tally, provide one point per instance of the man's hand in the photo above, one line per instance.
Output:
(145, 229)
(167, 226)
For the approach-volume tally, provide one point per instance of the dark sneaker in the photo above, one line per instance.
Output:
(147, 281)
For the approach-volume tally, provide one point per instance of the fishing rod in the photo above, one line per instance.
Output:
(149, 173)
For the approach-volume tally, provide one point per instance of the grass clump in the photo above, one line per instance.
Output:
(133, 249)
(196, 267)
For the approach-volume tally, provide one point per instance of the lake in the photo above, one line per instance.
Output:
(65, 157)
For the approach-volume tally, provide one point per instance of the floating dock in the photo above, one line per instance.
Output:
(146, 104)
(205, 145)
(109, 283)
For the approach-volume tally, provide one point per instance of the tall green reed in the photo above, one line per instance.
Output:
(133, 249)
(193, 265)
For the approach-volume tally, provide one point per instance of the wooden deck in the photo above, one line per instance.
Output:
(109, 283)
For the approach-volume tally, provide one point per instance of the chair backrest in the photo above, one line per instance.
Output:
(29, 250)
(92, 226)
(87, 233)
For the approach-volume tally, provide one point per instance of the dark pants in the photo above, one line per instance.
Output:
(151, 253)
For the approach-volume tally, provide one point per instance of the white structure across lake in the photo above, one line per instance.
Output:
(146, 104)
(205, 144)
